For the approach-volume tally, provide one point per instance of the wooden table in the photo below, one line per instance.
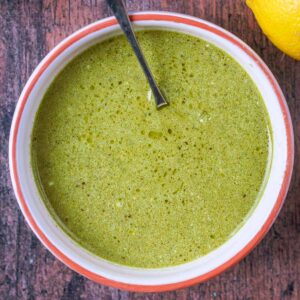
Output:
(28, 30)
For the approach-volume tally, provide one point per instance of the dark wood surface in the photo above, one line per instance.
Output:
(28, 30)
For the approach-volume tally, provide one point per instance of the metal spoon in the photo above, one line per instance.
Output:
(119, 10)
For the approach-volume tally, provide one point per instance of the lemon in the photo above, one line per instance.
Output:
(280, 21)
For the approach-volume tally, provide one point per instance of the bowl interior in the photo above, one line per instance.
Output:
(266, 209)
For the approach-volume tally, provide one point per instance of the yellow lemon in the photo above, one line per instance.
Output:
(280, 21)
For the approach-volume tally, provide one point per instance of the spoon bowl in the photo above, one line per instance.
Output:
(162, 279)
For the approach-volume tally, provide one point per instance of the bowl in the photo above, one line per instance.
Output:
(169, 278)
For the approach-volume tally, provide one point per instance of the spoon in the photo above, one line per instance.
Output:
(119, 10)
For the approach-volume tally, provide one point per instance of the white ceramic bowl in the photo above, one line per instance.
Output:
(137, 279)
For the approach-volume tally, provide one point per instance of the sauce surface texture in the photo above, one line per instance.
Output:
(150, 188)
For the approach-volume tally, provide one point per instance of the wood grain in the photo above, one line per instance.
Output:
(28, 30)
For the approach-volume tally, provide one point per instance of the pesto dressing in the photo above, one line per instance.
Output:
(149, 188)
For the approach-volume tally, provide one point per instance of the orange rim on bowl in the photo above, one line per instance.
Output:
(169, 17)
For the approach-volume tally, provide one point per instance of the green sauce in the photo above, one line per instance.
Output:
(150, 188)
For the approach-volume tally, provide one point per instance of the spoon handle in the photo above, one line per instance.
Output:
(119, 10)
